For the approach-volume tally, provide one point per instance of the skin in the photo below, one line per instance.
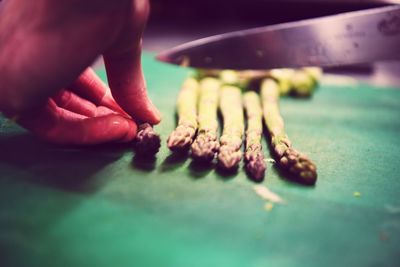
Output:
(46, 48)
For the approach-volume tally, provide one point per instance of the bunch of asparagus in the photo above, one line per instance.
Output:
(242, 96)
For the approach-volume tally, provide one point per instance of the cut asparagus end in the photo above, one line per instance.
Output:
(303, 83)
(283, 78)
(315, 73)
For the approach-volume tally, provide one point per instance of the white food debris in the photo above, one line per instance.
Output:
(392, 209)
(267, 194)
(270, 160)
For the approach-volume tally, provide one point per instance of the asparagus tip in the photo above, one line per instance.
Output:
(229, 159)
(256, 167)
(300, 168)
(181, 139)
(204, 148)
(147, 141)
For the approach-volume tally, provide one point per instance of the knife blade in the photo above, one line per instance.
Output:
(343, 39)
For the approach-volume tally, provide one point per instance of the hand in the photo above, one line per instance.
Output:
(45, 47)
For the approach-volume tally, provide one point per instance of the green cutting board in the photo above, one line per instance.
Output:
(101, 206)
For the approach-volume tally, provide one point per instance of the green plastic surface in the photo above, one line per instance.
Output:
(100, 206)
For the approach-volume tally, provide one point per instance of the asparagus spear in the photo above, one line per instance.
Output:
(290, 160)
(147, 141)
(182, 137)
(231, 108)
(206, 144)
(254, 157)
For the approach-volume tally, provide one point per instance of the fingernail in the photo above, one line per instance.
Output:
(158, 113)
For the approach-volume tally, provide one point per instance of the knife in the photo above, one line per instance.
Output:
(343, 39)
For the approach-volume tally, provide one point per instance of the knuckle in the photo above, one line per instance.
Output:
(63, 98)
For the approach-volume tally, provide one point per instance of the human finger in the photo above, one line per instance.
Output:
(70, 101)
(124, 70)
(91, 87)
(61, 126)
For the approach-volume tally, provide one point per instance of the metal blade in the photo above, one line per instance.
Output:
(348, 38)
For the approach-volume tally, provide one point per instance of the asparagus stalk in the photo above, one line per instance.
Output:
(182, 137)
(231, 108)
(239, 79)
(254, 157)
(147, 141)
(290, 160)
(206, 144)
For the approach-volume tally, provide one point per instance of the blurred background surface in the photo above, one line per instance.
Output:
(173, 22)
